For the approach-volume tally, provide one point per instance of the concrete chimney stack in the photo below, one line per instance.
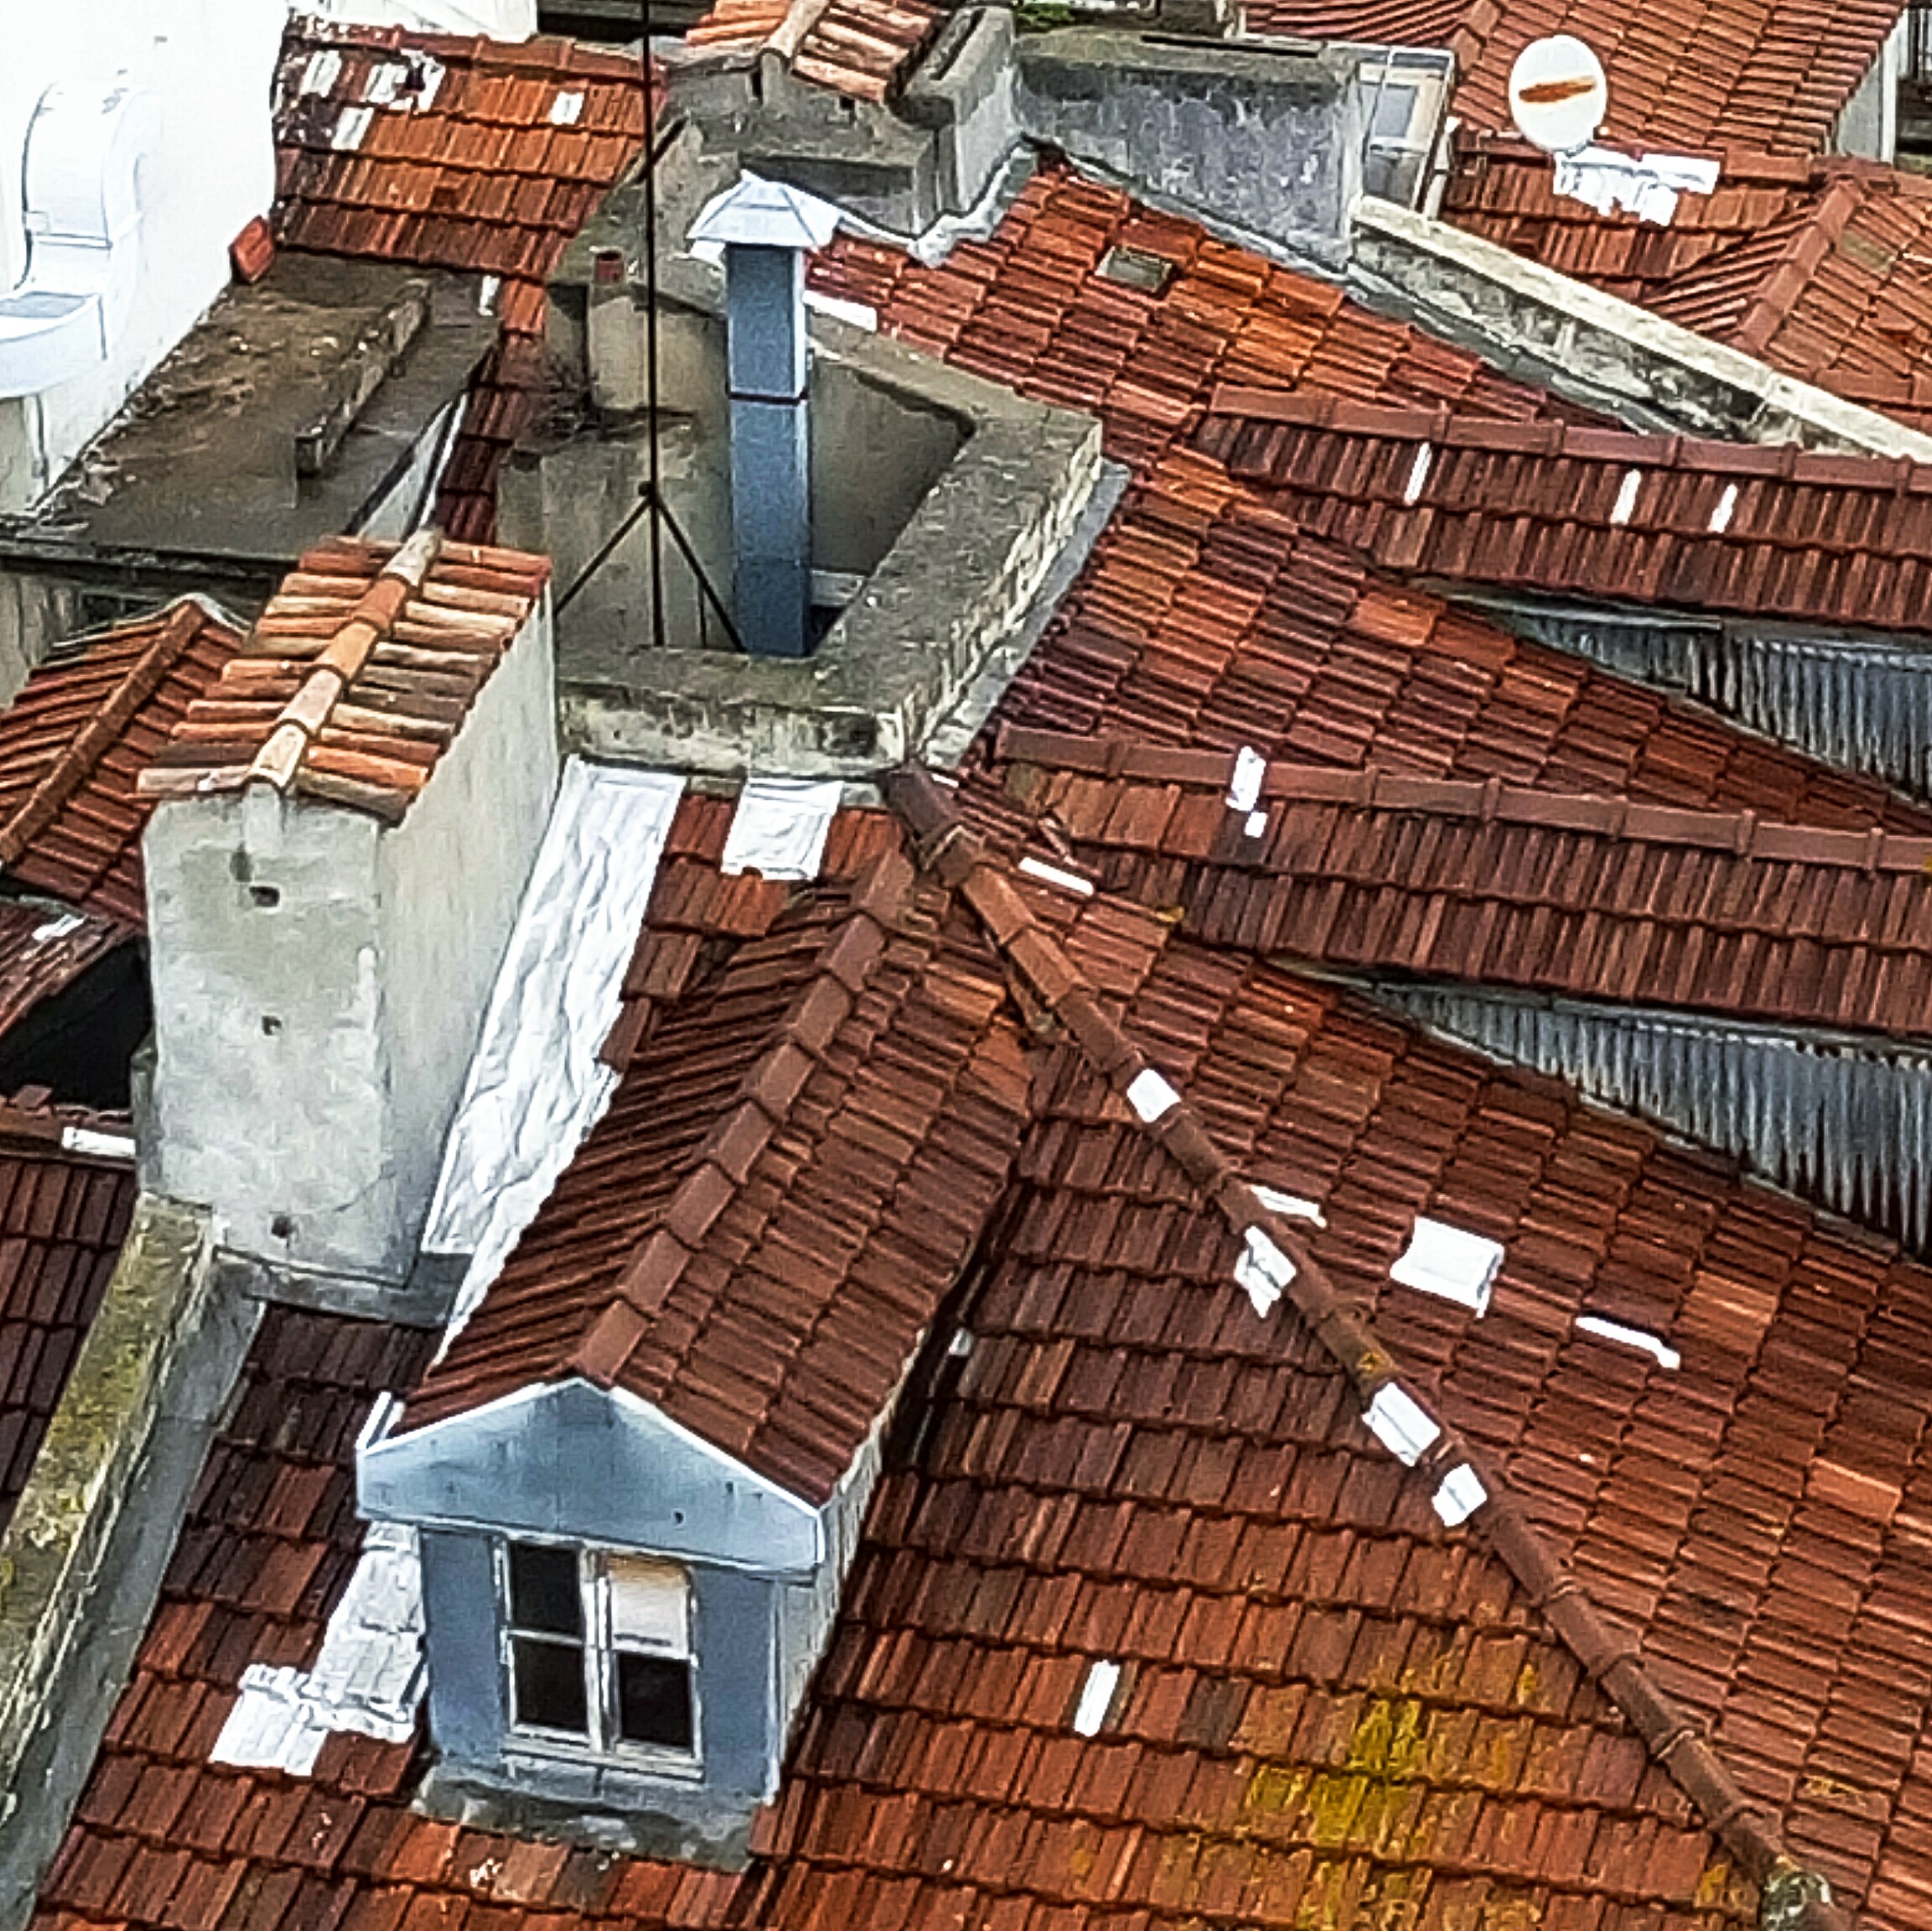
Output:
(766, 230)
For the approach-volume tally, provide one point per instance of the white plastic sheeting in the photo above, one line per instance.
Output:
(369, 1677)
(1645, 185)
(537, 1085)
(780, 827)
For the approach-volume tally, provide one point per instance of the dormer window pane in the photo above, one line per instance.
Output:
(653, 1700)
(545, 1590)
(548, 1678)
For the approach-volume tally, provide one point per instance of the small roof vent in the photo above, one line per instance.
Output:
(1448, 1261)
(1135, 269)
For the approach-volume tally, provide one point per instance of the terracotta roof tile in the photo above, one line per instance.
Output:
(1591, 896)
(1817, 268)
(1592, 512)
(1031, 307)
(861, 49)
(1205, 619)
(357, 676)
(865, 1015)
(63, 1218)
(73, 744)
(458, 153)
(1771, 74)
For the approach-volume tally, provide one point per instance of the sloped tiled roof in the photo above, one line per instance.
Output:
(358, 675)
(861, 1033)
(861, 49)
(1030, 308)
(1769, 74)
(73, 745)
(63, 1218)
(1204, 618)
(1591, 896)
(1331, 1710)
(1819, 267)
(461, 154)
(1767, 530)
(45, 949)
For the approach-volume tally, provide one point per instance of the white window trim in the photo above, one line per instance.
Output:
(600, 1652)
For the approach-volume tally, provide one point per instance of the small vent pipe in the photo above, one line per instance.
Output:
(766, 230)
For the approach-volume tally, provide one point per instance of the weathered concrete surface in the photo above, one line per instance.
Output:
(79, 1566)
(1607, 354)
(1266, 139)
(319, 982)
(952, 588)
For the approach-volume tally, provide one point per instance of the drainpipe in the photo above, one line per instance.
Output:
(766, 230)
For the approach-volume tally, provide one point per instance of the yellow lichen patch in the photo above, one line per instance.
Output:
(1388, 1740)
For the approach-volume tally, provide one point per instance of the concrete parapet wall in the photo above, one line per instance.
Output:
(951, 589)
(1269, 140)
(1607, 354)
(78, 1565)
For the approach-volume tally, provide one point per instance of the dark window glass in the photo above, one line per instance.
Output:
(653, 1700)
(543, 1589)
(549, 1684)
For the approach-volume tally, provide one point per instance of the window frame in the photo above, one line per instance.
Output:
(600, 1652)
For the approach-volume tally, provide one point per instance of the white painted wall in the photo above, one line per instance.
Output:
(207, 66)
(501, 19)
(1869, 125)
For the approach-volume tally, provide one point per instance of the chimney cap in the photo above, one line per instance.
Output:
(761, 214)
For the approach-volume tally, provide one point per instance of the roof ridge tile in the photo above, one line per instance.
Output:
(1669, 1732)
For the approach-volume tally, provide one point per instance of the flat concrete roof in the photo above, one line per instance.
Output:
(288, 414)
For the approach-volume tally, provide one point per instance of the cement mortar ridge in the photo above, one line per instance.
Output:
(54, 1543)
(1464, 287)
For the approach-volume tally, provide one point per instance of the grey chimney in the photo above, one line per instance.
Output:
(766, 231)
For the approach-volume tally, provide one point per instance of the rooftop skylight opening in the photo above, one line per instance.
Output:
(1451, 1262)
(350, 128)
(1096, 1698)
(1135, 269)
(1660, 1351)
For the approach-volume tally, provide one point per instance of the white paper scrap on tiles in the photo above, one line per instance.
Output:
(1060, 881)
(381, 86)
(369, 1678)
(1256, 825)
(1096, 1695)
(1245, 788)
(1401, 1424)
(1726, 508)
(567, 109)
(1262, 1271)
(537, 1085)
(780, 827)
(1418, 475)
(1448, 1261)
(320, 74)
(860, 314)
(1151, 1096)
(349, 129)
(1661, 1351)
(1625, 507)
(95, 1145)
(1459, 1495)
(1290, 1204)
(57, 927)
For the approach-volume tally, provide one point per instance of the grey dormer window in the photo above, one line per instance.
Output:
(597, 1650)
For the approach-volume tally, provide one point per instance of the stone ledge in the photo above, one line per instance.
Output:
(1598, 350)
(65, 1541)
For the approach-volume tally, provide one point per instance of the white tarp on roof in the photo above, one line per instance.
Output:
(537, 1085)
(780, 827)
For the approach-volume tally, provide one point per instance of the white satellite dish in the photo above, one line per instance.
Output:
(1558, 93)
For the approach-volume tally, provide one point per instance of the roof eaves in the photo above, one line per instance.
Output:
(958, 858)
